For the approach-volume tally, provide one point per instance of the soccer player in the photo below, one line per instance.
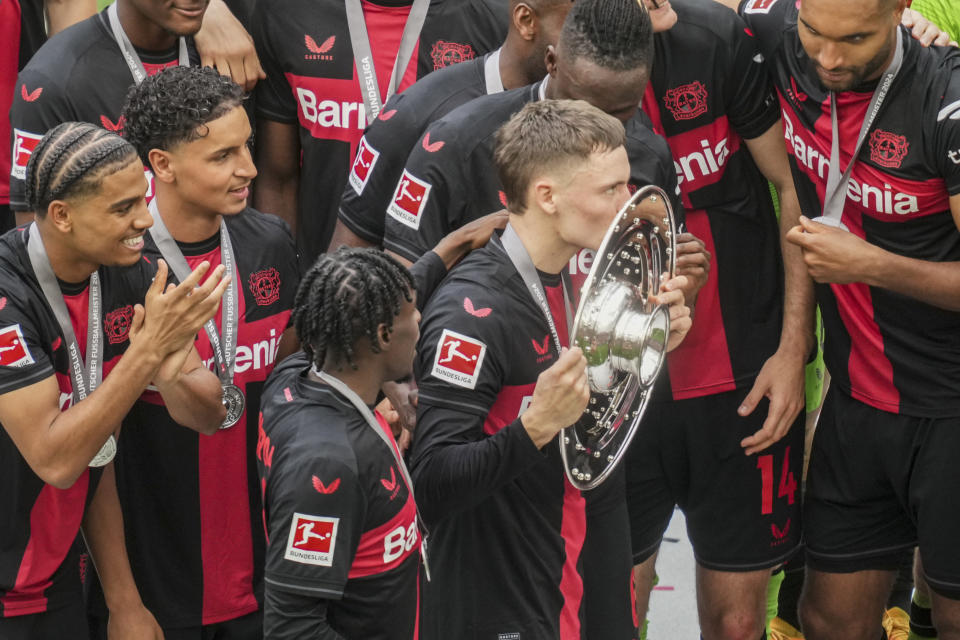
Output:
(736, 384)
(887, 287)
(78, 345)
(331, 65)
(83, 73)
(194, 528)
(344, 548)
(515, 550)
(385, 145)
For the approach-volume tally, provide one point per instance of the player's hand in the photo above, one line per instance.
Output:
(925, 31)
(693, 261)
(832, 254)
(224, 44)
(672, 294)
(133, 623)
(561, 395)
(172, 315)
(402, 397)
(781, 381)
(171, 369)
(473, 235)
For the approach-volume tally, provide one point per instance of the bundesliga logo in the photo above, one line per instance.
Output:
(409, 199)
(13, 348)
(312, 539)
(24, 143)
(459, 359)
(363, 165)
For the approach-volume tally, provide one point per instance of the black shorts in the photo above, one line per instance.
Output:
(65, 622)
(879, 483)
(743, 512)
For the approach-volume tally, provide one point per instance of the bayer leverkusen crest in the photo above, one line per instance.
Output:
(687, 101)
(888, 149)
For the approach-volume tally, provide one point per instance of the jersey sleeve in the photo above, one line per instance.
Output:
(766, 20)
(24, 359)
(426, 204)
(315, 518)
(274, 98)
(377, 168)
(753, 106)
(39, 104)
(460, 371)
(948, 130)
(428, 271)
(290, 616)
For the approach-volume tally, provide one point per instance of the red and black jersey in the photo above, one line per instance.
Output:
(450, 178)
(708, 92)
(312, 80)
(340, 518)
(387, 142)
(887, 350)
(509, 535)
(39, 524)
(191, 502)
(78, 75)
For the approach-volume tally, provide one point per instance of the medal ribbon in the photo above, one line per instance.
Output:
(225, 346)
(363, 55)
(835, 195)
(521, 261)
(364, 410)
(130, 54)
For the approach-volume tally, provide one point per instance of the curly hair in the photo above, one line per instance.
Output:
(614, 34)
(173, 106)
(70, 161)
(345, 296)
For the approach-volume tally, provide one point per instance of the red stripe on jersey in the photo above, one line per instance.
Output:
(558, 311)
(870, 191)
(701, 364)
(511, 401)
(54, 523)
(573, 530)
(9, 61)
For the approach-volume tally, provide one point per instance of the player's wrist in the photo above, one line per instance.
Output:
(537, 427)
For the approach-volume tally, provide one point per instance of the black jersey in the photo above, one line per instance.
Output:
(705, 111)
(384, 147)
(78, 75)
(39, 524)
(451, 179)
(312, 80)
(890, 351)
(509, 534)
(340, 518)
(191, 502)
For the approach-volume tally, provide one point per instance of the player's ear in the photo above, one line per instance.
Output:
(525, 21)
(59, 215)
(160, 163)
(550, 60)
(383, 336)
(542, 193)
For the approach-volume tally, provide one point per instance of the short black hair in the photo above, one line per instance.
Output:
(172, 106)
(614, 34)
(70, 161)
(345, 296)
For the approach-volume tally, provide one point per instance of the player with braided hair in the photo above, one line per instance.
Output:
(85, 326)
(344, 545)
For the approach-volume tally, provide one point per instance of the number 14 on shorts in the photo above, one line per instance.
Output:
(787, 487)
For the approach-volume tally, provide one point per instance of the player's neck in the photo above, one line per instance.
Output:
(548, 251)
(185, 221)
(515, 67)
(143, 33)
(362, 381)
(67, 265)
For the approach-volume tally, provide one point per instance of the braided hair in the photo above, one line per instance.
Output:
(614, 34)
(345, 296)
(173, 106)
(70, 161)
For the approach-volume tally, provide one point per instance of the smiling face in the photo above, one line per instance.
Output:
(177, 17)
(213, 173)
(849, 42)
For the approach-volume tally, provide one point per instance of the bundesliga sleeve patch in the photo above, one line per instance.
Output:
(363, 165)
(312, 540)
(458, 359)
(13, 348)
(759, 6)
(409, 199)
(24, 143)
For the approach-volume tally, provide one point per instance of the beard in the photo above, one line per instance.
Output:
(848, 78)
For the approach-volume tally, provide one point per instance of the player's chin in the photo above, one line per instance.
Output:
(185, 22)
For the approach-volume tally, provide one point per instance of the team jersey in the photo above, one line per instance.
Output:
(450, 177)
(191, 502)
(510, 537)
(312, 81)
(78, 75)
(705, 111)
(387, 142)
(888, 350)
(40, 562)
(339, 515)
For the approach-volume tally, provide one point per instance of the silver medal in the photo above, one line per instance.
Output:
(235, 403)
(106, 454)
